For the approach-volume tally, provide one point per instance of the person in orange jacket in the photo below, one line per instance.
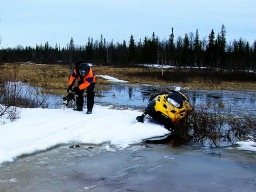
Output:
(86, 80)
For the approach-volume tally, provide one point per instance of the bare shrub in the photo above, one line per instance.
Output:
(3, 110)
(215, 128)
(13, 95)
(243, 126)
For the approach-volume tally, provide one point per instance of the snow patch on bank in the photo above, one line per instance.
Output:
(40, 129)
(112, 79)
(247, 145)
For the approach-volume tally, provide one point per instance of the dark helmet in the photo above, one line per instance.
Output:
(84, 69)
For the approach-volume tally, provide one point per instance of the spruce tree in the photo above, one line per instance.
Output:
(197, 48)
(153, 48)
(211, 40)
(171, 48)
(185, 51)
(71, 49)
(210, 52)
(223, 38)
(131, 50)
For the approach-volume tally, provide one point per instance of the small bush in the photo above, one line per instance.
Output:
(13, 96)
(215, 128)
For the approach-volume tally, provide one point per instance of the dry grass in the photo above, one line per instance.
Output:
(55, 77)
(137, 75)
(47, 76)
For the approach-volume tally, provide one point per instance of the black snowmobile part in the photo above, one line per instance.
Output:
(141, 118)
(158, 116)
(176, 97)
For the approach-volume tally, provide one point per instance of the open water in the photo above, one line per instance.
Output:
(237, 102)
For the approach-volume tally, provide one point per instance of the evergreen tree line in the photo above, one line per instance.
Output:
(190, 50)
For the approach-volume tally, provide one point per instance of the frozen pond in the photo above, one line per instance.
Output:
(137, 168)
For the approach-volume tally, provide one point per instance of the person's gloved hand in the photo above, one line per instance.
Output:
(69, 88)
(75, 89)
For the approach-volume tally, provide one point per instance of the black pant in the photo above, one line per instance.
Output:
(90, 97)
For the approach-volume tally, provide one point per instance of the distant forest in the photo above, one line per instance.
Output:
(190, 50)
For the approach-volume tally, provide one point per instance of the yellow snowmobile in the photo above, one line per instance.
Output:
(168, 108)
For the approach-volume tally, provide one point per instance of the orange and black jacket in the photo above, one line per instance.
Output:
(83, 82)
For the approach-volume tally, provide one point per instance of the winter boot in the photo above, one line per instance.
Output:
(89, 111)
(78, 108)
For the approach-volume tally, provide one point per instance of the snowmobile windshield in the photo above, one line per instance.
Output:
(173, 102)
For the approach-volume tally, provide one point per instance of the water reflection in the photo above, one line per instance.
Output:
(137, 96)
(123, 95)
(231, 101)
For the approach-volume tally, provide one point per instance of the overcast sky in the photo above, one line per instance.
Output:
(33, 22)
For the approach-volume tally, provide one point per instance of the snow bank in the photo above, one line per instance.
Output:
(39, 129)
(247, 145)
(112, 79)
(158, 66)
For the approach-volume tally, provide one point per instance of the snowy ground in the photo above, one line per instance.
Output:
(39, 129)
